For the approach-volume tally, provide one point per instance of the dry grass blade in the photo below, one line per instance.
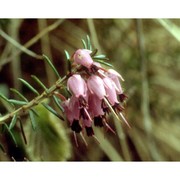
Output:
(19, 46)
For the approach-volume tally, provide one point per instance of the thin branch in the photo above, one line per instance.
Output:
(33, 102)
(20, 111)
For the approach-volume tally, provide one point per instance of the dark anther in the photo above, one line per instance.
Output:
(98, 121)
(118, 107)
(122, 97)
(89, 131)
(105, 107)
(76, 126)
(83, 114)
(94, 68)
(82, 102)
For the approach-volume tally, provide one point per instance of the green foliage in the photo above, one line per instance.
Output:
(6, 128)
(29, 86)
(50, 141)
(19, 94)
(118, 38)
(50, 109)
(32, 118)
(84, 44)
(39, 82)
(68, 60)
(51, 65)
(89, 46)
(13, 122)
(17, 102)
(58, 103)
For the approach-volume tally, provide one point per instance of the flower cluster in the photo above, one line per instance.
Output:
(95, 93)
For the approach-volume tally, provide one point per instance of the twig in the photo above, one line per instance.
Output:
(35, 101)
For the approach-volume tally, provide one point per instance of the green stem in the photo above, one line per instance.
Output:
(49, 92)
(35, 101)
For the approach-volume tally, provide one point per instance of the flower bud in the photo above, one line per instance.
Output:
(82, 57)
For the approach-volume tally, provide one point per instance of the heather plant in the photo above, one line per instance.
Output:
(92, 90)
(63, 99)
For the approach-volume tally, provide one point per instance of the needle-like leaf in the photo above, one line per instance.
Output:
(19, 94)
(68, 59)
(39, 82)
(22, 131)
(13, 122)
(49, 108)
(51, 65)
(84, 43)
(17, 102)
(89, 43)
(29, 86)
(32, 118)
(10, 133)
(56, 100)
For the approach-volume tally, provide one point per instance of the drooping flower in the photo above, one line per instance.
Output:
(96, 110)
(95, 105)
(72, 113)
(115, 76)
(88, 126)
(110, 90)
(96, 92)
(77, 85)
(96, 86)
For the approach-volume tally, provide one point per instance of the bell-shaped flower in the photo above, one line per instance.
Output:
(77, 85)
(72, 112)
(110, 91)
(82, 57)
(114, 75)
(96, 86)
(95, 106)
(88, 126)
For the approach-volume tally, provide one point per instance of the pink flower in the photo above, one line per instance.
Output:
(72, 112)
(110, 91)
(94, 95)
(96, 86)
(114, 75)
(95, 106)
(82, 57)
(77, 85)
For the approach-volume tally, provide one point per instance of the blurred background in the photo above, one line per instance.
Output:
(145, 52)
